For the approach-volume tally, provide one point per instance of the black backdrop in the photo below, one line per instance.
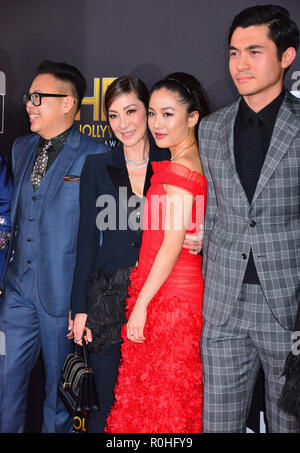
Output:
(148, 38)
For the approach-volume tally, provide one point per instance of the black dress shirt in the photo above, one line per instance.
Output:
(252, 137)
(57, 144)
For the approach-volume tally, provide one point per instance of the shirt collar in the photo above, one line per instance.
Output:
(60, 139)
(267, 115)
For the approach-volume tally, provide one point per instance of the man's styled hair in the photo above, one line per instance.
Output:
(65, 73)
(282, 30)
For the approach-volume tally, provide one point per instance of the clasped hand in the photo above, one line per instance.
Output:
(193, 242)
(78, 330)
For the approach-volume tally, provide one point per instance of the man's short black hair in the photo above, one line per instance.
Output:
(282, 30)
(66, 73)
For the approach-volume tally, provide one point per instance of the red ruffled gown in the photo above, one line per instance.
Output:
(159, 388)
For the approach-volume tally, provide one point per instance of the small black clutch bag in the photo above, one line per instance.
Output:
(77, 386)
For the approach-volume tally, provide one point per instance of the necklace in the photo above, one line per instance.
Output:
(137, 164)
(182, 152)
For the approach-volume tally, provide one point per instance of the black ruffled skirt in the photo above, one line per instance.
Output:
(106, 299)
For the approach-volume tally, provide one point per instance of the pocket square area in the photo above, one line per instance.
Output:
(71, 178)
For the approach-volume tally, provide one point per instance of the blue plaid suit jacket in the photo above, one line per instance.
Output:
(57, 237)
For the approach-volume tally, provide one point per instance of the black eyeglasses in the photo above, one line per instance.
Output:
(36, 98)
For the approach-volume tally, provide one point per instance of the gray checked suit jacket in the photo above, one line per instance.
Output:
(270, 225)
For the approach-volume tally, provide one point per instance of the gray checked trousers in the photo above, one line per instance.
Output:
(231, 357)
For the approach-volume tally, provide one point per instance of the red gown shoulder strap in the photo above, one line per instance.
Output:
(166, 172)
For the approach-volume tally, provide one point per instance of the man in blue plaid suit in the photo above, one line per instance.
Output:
(251, 153)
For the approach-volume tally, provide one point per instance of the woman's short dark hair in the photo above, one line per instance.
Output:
(65, 73)
(282, 30)
(126, 84)
(189, 91)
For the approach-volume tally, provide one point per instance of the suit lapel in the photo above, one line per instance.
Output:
(227, 145)
(64, 161)
(118, 171)
(119, 174)
(20, 170)
(285, 130)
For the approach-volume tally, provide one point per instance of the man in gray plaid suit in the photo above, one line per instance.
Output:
(250, 153)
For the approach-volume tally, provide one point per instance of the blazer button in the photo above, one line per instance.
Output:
(252, 223)
(244, 256)
(135, 245)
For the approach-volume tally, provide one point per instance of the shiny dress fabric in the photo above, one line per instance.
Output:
(159, 388)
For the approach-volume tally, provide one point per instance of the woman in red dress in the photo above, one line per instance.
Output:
(159, 388)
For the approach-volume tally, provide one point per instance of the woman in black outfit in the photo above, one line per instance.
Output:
(108, 250)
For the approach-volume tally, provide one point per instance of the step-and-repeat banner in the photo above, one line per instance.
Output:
(106, 39)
